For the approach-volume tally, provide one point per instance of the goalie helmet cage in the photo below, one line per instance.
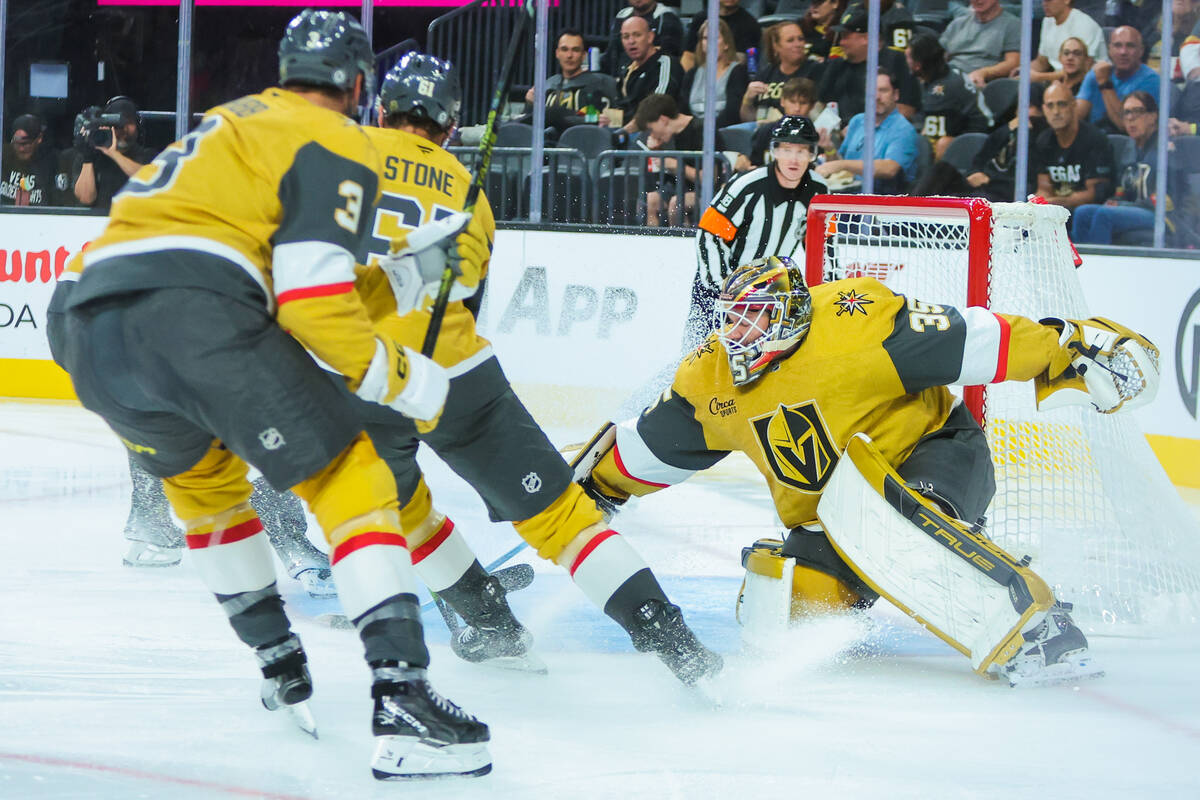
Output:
(1080, 492)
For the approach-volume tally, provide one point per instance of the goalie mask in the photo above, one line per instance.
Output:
(761, 315)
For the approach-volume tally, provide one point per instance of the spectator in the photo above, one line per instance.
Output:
(1108, 84)
(1185, 17)
(1074, 65)
(1072, 157)
(1141, 15)
(1132, 206)
(984, 44)
(895, 143)
(658, 118)
(845, 78)
(784, 57)
(992, 174)
(662, 21)
(30, 174)
(950, 103)
(649, 70)
(817, 27)
(895, 24)
(797, 100)
(732, 79)
(1184, 118)
(1062, 22)
(572, 91)
(100, 172)
(747, 33)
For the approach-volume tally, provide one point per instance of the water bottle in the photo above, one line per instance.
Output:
(752, 61)
(593, 59)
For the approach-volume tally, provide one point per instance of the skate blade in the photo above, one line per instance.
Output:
(1056, 675)
(526, 663)
(303, 717)
(409, 758)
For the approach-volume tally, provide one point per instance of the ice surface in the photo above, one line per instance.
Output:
(128, 683)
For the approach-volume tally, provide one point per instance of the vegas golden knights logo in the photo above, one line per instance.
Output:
(797, 445)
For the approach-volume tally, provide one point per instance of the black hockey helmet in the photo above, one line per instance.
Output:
(326, 48)
(423, 86)
(798, 130)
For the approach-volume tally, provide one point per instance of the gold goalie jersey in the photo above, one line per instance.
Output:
(421, 183)
(873, 362)
(269, 201)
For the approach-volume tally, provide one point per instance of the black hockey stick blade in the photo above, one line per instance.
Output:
(524, 19)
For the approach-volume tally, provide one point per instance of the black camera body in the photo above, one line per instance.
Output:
(95, 128)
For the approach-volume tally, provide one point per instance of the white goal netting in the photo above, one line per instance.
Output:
(1080, 492)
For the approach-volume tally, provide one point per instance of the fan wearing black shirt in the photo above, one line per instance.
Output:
(1073, 159)
(747, 32)
(664, 128)
(785, 56)
(950, 104)
(663, 22)
(844, 78)
(649, 71)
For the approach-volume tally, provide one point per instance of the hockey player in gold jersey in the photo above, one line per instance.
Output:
(839, 398)
(485, 434)
(176, 331)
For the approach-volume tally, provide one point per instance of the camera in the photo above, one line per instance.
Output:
(94, 128)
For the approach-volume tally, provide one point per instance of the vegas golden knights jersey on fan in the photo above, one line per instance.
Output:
(268, 201)
(873, 362)
(421, 182)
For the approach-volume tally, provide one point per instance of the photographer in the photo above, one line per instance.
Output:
(108, 151)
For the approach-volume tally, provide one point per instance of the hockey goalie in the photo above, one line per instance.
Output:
(839, 396)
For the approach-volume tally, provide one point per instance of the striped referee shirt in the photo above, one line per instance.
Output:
(753, 217)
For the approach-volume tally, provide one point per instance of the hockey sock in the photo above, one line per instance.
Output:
(614, 577)
(444, 559)
(377, 587)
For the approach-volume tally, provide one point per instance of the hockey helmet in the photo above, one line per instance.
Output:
(326, 48)
(794, 129)
(425, 87)
(761, 315)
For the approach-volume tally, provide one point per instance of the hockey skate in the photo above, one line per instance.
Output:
(1055, 651)
(659, 628)
(154, 541)
(421, 734)
(492, 635)
(316, 580)
(287, 682)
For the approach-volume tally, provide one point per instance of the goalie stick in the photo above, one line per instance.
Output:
(485, 159)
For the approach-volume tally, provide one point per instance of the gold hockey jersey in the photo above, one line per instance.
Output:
(421, 183)
(269, 201)
(873, 362)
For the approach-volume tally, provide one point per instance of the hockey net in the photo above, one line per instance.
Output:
(1080, 492)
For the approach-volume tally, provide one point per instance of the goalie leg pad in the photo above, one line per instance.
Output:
(777, 590)
(956, 582)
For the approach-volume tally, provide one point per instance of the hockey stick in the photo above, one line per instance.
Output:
(485, 160)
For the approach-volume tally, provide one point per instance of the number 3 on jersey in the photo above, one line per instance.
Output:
(166, 165)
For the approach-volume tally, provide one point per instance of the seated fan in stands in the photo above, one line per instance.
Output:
(838, 395)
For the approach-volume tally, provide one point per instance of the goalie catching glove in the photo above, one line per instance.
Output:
(403, 379)
(1100, 363)
(419, 258)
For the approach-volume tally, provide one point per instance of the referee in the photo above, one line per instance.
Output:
(759, 213)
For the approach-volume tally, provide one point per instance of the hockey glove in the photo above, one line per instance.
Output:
(406, 381)
(419, 258)
(1101, 363)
